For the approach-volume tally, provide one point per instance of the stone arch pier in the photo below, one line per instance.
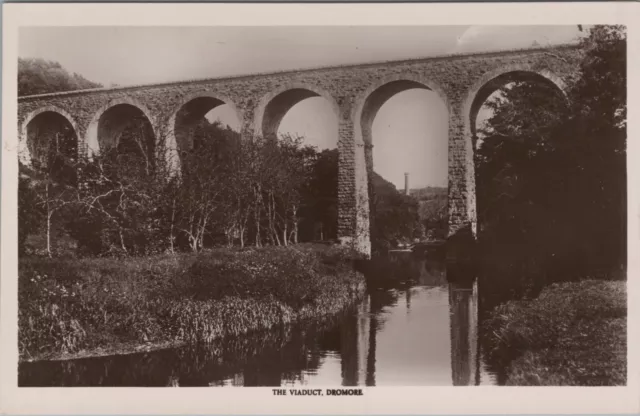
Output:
(355, 93)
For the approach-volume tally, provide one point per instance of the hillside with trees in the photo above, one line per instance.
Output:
(394, 215)
(39, 76)
(433, 210)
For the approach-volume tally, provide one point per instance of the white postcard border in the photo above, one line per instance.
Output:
(376, 400)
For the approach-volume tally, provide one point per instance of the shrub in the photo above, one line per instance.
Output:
(68, 305)
(567, 325)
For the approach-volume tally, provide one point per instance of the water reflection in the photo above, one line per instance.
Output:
(463, 304)
(413, 327)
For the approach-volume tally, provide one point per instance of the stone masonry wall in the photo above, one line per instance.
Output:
(457, 79)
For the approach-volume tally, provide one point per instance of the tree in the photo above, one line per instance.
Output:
(121, 198)
(551, 176)
(237, 193)
(295, 165)
(434, 214)
(202, 184)
(600, 107)
(433, 210)
(396, 215)
(29, 213)
(38, 76)
(319, 208)
(49, 185)
(51, 178)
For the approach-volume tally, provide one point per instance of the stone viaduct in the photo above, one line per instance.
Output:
(355, 92)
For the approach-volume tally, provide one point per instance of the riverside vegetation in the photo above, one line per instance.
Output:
(117, 252)
(125, 256)
(74, 307)
(136, 258)
(571, 334)
(551, 187)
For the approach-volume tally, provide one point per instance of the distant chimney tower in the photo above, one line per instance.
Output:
(406, 184)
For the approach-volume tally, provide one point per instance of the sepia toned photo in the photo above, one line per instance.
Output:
(321, 210)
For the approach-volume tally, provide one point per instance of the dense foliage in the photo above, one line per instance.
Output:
(69, 305)
(395, 217)
(551, 176)
(39, 76)
(552, 208)
(572, 334)
(229, 192)
(433, 211)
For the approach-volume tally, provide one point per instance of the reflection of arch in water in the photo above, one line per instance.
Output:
(463, 308)
(349, 351)
(358, 345)
(407, 299)
(433, 272)
(371, 357)
(364, 318)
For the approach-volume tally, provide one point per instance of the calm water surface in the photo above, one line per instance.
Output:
(413, 328)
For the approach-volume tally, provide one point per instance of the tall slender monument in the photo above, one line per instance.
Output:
(406, 184)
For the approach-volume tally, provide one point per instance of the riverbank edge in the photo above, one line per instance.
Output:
(117, 348)
(192, 316)
(572, 334)
(106, 351)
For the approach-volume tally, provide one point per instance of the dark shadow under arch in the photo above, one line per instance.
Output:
(491, 83)
(51, 137)
(192, 111)
(124, 129)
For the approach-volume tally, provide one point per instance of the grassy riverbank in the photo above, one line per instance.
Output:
(80, 307)
(571, 334)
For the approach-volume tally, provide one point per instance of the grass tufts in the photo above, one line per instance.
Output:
(571, 334)
(71, 306)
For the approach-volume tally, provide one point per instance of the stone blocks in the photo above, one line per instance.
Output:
(457, 79)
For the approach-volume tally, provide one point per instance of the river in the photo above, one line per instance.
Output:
(412, 328)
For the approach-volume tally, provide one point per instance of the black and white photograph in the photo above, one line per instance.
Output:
(320, 209)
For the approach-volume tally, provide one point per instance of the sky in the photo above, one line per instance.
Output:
(410, 130)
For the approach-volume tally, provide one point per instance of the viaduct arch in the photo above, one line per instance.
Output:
(111, 120)
(368, 105)
(355, 92)
(275, 105)
(32, 121)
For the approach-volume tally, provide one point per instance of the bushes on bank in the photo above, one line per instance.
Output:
(68, 305)
(571, 334)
